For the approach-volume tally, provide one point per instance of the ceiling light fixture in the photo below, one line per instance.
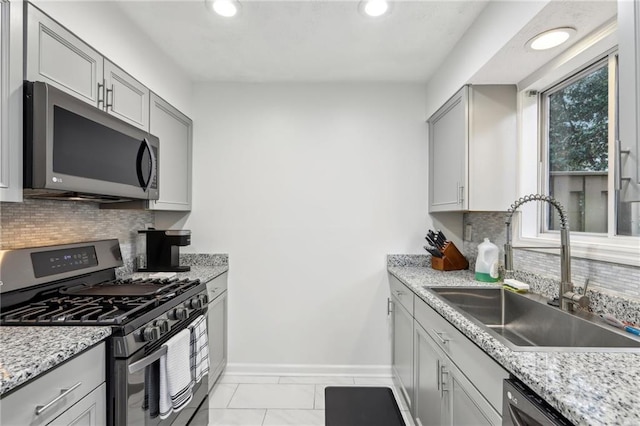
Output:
(374, 8)
(550, 39)
(226, 8)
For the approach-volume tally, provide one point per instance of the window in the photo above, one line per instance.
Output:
(567, 119)
(576, 148)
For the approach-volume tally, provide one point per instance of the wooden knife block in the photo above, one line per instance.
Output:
(451, 260)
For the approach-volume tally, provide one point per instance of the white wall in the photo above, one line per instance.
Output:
(103, 26)
(308, 187)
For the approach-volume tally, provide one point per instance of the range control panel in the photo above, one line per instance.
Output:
(53, 262)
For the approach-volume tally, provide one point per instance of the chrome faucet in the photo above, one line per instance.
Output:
(566, 297)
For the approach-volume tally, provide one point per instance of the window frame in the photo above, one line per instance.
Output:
(528, 221)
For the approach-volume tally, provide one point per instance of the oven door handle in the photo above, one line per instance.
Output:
(148, 360)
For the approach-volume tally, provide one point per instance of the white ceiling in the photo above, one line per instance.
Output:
(316, 40)
(327, 40)
(514, 62)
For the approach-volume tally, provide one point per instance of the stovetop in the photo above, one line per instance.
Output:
(111, 302)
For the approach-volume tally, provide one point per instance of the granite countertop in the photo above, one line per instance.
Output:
(203, 273)
(588, 388)
(27, 352)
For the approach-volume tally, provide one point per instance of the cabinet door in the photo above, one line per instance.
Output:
(467, 406)
(448, 137)
(56, 56)
(217, 331)
(126, 97)
(402, 349)
(430, 393)
(11, 31)
(174, 130)
(629, 100)
(89, 411)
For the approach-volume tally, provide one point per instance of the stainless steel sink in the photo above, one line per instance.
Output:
(527, 323)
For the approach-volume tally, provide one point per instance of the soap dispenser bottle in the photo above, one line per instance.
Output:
(487, 262)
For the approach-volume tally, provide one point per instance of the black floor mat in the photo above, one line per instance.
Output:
(361, 406)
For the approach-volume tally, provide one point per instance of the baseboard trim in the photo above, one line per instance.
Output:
(241, 369)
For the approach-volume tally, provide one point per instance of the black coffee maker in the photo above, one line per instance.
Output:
(158, 250)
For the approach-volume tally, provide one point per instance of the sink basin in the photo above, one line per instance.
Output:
(527, 323)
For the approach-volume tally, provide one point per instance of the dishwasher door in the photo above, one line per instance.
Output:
(522, 407)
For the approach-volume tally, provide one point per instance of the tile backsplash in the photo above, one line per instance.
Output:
(614, 278)
(43, 222)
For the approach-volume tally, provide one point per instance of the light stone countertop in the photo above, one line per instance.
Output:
(27, 352)
(588, 388)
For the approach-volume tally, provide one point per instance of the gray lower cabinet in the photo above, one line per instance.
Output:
(443, 395)
(56, 56)
(444, 377)
(217, 327)
(73, 393)
(456, 382)
(400, 308)
(430, 405)
(174, 130)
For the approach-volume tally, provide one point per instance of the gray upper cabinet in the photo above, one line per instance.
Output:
(472, 150)
(125, 97)
(628, 149)
(56, 56)
(11, 49)
(175, 131)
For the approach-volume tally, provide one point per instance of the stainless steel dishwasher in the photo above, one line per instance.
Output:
(522, 407)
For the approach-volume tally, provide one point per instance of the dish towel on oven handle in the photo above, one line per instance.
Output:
(199, 348)
(175, 374)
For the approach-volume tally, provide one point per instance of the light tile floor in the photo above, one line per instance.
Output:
(278, 401)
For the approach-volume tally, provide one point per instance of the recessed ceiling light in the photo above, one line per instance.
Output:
(374, 8)
(226, 8)
(550, 39)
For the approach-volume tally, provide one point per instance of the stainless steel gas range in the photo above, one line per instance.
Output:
(75, 284)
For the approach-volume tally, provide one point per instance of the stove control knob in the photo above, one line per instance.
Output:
(149, 334)
(195, 303)
(204, 298)
(162, 324)
(178, 314)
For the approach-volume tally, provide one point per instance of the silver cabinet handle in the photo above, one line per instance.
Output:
(389, 302)
(100, 94)
(617, 172)
(399, 293)
(107, 104)
(440, 335)
(63, 393)
(443, 382)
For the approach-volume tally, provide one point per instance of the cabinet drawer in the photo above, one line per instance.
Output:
(90, 410)
(87, 369)
(480, 369)
(401, 293)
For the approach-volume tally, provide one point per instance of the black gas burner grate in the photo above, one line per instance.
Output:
(107, 303)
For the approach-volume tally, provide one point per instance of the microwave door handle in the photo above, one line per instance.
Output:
(146, 146)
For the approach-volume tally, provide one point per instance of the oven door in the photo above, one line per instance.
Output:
(135, 388)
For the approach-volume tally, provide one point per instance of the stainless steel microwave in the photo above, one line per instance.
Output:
(73, 150)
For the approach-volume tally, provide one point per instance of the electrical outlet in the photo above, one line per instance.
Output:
(468, 229)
